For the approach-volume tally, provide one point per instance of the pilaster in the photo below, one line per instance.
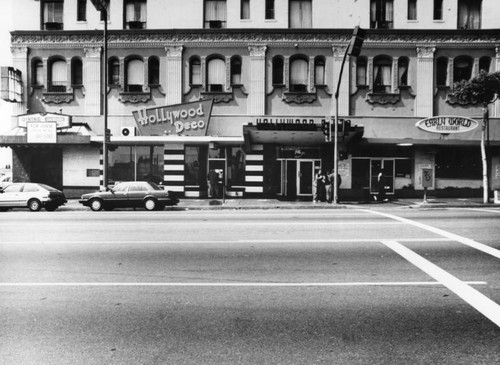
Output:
(425, 82)
(257, 89)
(92, 80)
(174, 75)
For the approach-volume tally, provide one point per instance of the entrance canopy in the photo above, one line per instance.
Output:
(254, 135)
(76, 134)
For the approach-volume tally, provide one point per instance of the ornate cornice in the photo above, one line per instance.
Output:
(299, 98)
(174, 51)
(426, 52)
(57, 98)
(238, 37)
(257, 50)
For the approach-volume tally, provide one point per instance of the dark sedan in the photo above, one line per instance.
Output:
(130, 194)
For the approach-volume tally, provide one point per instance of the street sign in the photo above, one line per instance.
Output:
(427, 178)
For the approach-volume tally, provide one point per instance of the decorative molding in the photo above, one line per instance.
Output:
(218, 97)
(92, 52)
(19, 51)
(426, 52)
(339, 51)
(174, 51)
(382, 98)
(257, 50)
(299, 98)
(57, 98)
(134, 97)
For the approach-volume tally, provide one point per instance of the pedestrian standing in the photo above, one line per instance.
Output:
(320, 181)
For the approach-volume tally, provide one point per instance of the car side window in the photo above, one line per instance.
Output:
(30, 188)
(137, 187)
(14, 188)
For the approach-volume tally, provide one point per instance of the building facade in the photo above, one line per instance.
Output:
(228, 97)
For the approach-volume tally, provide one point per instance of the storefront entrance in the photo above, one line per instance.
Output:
(386, 166)
(297, 177)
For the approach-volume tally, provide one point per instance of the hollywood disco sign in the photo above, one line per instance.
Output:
(188, 119)
(447, 124)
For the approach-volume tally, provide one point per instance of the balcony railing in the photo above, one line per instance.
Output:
(52, 26)
(56, 87)
(215, 24)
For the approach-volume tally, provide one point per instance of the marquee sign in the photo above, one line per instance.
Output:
(447, 124)
(189, 119)
(61, 121)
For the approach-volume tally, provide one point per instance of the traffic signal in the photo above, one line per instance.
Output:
(358, 36)
(325, 126)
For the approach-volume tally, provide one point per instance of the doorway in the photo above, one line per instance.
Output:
(386, 166)
(297, 177)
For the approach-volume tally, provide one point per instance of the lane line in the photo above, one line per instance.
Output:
(234, 284)
(476, 299)
(298, 240)
(484, 210)
(452, 236)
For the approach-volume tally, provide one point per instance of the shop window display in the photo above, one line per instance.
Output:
(136, 163)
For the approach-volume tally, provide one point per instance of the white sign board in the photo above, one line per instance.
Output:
(447, 124)
(41, 132)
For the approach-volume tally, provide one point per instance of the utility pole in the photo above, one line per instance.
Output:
(353, 49)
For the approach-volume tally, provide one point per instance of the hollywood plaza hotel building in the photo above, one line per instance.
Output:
(241, 87)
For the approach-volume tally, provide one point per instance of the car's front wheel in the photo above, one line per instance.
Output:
(34, 205)
(95, 205)
(150, 204)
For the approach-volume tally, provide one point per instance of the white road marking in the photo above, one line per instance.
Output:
(237, 284)
(455, 237)
(485, 210)
(476, 299)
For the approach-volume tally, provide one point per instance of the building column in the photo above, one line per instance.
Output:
(254, 172)
(173, 75)
(424, 104)
(257, 92)
(92, 80)
(338, 57)
(20, 62)
(495, 113)
(173, 167)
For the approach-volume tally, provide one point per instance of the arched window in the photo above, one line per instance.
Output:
(278, 70)
(195, 71)
(462, 68)
(37, 73)
(216, 75)
(403, 71)
(485, 64)
(442, 71)
(236, 70)
(134, 75)
(382, 74)
(361, 71)
(58, 76)
(299, 71)
(76, 72)
(113, 71)
(154, 71)
(319, 71)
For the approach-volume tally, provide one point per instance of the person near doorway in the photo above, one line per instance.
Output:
(330, 181)
(213, 183)
(381, 186)
(320, 187)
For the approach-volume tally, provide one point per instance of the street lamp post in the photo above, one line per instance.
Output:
(102, 6)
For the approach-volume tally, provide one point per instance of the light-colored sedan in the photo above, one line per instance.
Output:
(31, 195)
(130, 194)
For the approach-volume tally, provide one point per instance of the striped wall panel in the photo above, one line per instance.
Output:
(254, 172)
(173, 168)
(101, 169)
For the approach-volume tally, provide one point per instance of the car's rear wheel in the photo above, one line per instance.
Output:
(150, 204)
(96, 205)
(34, 205)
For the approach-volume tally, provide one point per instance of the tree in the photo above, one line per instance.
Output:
(483, 89)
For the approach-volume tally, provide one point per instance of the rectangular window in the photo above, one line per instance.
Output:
(300, 13)
(107, 12)
(195, 166)
(412, 9)
(135, 14)
(382, 14)
(438, 9)
(52, 15)
(136, 163)
(458, 163)
(215, 14)
(81, 11)
(469, 14)
(245, 9)
(269, 9)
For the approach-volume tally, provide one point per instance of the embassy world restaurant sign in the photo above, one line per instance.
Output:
(447, 124)
(189, 119)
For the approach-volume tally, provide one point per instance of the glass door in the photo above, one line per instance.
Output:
(305, 176)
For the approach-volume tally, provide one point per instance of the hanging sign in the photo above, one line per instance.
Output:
(61, 120)
(447, 124)
(189, 119)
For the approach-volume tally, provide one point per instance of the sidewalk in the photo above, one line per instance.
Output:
(235, 204)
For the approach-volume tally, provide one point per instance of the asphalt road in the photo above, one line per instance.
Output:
(345, 286)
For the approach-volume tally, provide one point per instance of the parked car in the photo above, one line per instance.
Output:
(31, 195)
(5, 179)
(130, 194)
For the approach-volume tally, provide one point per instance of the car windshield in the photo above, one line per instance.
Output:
(155, 187)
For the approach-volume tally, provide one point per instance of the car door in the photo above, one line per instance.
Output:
(11, 196)
(136, 193)
(118, 195)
